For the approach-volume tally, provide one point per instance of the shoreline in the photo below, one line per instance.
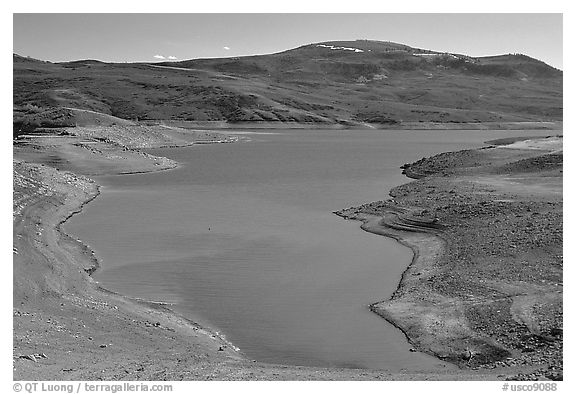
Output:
(138, 325)
(161, 306)
(421, 306)
(56, 240)
(426, 246)
(64, 234)
(351, 125)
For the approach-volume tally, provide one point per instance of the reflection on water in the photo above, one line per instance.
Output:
(242, 238)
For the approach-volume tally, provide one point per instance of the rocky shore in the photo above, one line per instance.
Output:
(484, 290)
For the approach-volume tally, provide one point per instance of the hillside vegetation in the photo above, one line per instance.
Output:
(347, 83)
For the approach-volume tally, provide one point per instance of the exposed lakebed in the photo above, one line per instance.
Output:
(242, 239)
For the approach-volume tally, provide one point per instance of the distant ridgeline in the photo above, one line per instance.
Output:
(331, 83)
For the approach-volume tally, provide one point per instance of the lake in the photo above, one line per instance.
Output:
(242, 238)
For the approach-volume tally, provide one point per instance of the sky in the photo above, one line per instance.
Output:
(159, 37)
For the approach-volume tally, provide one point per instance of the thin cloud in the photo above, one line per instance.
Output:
(172, 58)
(159, 57)
(227, 48)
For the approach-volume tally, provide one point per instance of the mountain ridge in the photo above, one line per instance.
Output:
(332, 82)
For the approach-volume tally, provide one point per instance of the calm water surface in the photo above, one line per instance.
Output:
(242, 238)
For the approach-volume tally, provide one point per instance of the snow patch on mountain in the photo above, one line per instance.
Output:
(343, 48)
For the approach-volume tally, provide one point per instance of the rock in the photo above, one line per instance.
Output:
(557, 376)
(33, 357)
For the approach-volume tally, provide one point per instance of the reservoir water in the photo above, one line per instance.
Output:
(242, 239)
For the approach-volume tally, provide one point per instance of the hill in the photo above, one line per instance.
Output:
(328, 83)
